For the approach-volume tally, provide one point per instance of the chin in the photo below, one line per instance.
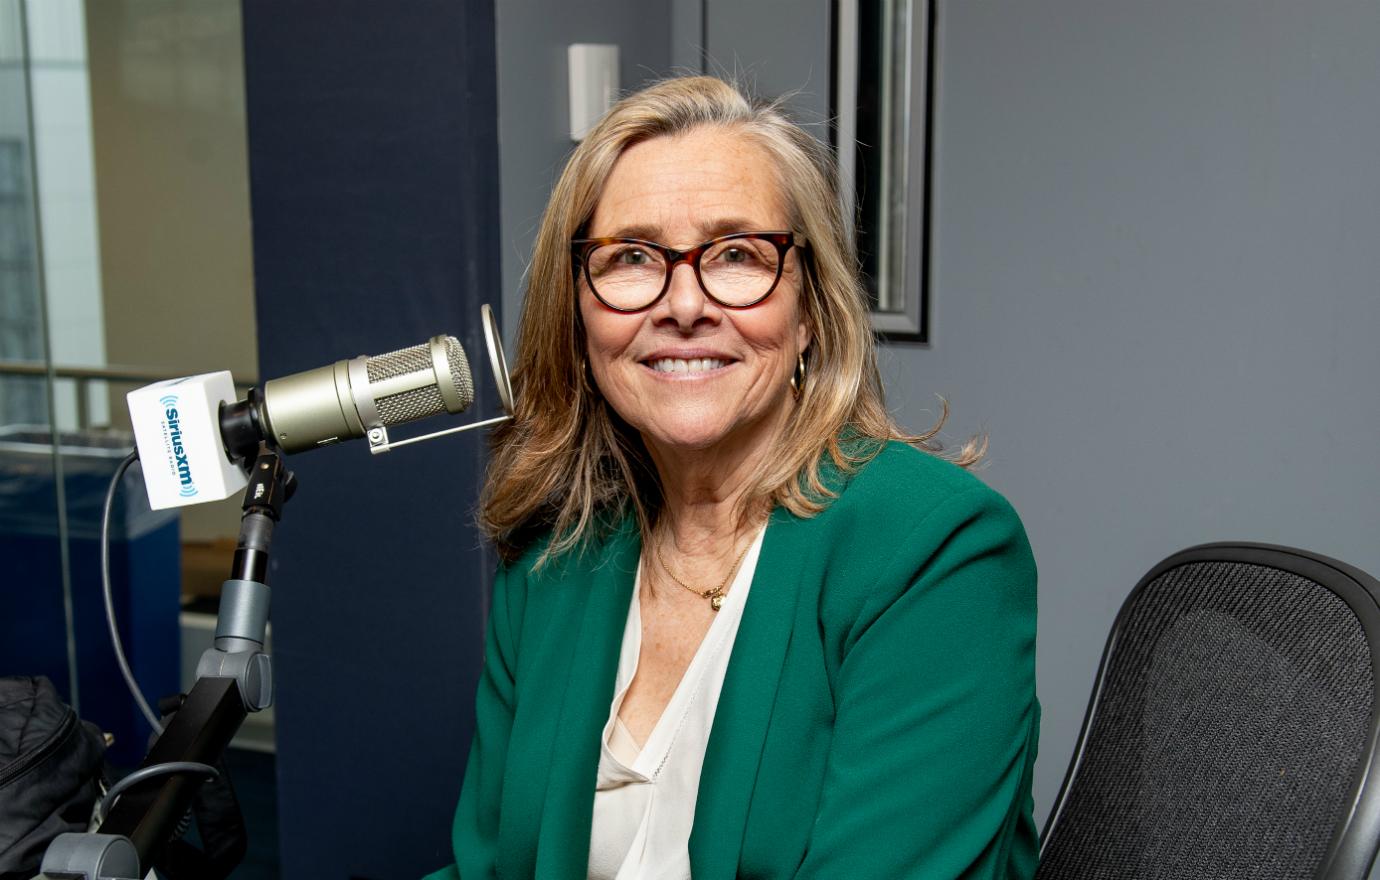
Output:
(700, 425)
(687, 433)
(689, 440)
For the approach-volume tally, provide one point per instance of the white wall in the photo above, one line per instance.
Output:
(172, 171)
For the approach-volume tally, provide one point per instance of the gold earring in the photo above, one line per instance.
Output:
(798, 376)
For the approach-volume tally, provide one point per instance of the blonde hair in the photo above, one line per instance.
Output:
(566, 462)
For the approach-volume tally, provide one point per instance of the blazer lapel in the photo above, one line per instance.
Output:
(563, 837)
(745, 703)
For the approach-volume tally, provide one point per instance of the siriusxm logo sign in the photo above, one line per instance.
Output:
(177, 426)
(179, 452)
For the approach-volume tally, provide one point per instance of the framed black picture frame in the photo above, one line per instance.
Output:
(882, 99)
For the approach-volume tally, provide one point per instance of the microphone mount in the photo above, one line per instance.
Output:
(242, 428)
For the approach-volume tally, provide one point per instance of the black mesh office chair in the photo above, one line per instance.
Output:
(1232, 728)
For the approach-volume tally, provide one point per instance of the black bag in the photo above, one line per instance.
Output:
(50, 765)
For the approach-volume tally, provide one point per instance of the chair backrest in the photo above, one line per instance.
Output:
(1232, 730)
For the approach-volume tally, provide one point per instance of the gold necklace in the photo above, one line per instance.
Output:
(716, 595)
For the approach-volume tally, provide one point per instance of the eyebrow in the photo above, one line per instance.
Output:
(713, 229)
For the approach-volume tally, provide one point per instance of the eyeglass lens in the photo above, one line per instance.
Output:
(736, 272)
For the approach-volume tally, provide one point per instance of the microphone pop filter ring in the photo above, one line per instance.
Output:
(493, 340)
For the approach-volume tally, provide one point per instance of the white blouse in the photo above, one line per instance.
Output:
(644, 800)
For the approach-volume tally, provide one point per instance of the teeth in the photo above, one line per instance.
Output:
(693, 365)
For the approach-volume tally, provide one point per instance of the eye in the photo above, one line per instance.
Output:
(743, 254)
(632, 256)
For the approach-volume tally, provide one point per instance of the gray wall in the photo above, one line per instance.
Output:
(1155, 272)
(774, 47)
(534, 105)
(1157, 284)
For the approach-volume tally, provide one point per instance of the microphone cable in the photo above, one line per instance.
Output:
(112, 794)
(108, 593)
(166, 768)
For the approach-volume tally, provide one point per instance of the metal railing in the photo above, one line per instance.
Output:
(84, 376)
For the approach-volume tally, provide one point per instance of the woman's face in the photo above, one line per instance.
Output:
(651, 365)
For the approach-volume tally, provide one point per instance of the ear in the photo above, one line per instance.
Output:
(804, 334)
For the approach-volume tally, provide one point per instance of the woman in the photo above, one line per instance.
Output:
(739, 629)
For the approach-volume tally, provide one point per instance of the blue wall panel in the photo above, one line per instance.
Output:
(374, 168)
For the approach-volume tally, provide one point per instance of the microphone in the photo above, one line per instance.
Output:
(195, 439)
(350, 398)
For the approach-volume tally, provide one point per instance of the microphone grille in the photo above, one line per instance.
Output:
(399, 409)
(460, 372)
(397, 363)
(426, 401)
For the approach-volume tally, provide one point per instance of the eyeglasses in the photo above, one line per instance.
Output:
(736, 271)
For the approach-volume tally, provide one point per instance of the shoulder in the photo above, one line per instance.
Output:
(905, 468)
(908, 526)
(511, 587)
(607, 538)
(901, 488)
(534, 583)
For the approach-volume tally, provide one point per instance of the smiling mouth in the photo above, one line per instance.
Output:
(686, 365)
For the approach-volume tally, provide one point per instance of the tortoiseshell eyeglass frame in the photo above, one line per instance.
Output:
(784, 241)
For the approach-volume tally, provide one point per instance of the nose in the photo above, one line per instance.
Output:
(685, 304)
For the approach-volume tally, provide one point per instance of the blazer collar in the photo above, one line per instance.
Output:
(740, 720)
(745, 705)
(563, 837)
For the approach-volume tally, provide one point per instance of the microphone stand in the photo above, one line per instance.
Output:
(234, 678)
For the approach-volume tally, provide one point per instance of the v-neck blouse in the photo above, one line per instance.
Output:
(644, 800)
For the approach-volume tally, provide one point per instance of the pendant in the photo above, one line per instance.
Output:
(716, 600)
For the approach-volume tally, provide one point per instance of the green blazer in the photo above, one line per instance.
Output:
(878, 718)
